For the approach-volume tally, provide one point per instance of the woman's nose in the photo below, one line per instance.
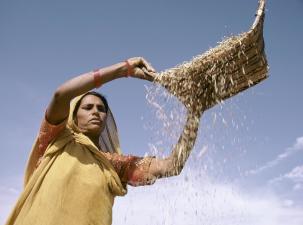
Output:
(95, 111)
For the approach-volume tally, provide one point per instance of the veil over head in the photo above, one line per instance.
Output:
(109, 138)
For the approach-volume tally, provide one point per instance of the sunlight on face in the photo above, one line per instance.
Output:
(91, 115)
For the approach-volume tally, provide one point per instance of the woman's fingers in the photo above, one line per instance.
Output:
(144, 74)
(149, 75)
(141, 63)
(142, 69)
(147, 65)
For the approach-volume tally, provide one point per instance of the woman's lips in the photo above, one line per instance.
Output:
(95, 121)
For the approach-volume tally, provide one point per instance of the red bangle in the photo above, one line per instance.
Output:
(130, 70)
(97, 78)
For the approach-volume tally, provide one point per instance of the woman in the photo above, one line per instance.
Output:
(72, 174)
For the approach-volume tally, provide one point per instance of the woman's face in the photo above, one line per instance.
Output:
(91, 115)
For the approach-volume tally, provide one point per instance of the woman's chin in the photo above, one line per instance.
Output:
(93, 130)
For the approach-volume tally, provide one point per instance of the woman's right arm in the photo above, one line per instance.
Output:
(58, 108)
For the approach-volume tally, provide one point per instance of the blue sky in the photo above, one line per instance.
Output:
(253, 143)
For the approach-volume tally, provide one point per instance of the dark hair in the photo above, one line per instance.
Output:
(103, 99)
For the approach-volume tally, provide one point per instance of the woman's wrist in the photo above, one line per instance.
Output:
(121, 69)
(130, 68)
(106, 74)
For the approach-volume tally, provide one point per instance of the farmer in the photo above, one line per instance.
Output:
(76, 168)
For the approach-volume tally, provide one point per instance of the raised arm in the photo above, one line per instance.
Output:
(58, 107)
(138, 171)
(173, 165)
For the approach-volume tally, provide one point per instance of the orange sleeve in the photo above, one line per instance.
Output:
(47, 133)
(132, 170)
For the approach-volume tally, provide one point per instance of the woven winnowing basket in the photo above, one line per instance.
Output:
(236, 64)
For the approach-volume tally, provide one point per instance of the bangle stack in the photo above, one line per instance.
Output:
(130, 69)
(97, 78)
(97, 74)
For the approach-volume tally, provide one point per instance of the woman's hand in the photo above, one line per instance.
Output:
(142, 69)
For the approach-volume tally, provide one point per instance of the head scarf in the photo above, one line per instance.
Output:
(109, 142)
(109, 138)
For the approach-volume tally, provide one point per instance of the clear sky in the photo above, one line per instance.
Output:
(252, 171)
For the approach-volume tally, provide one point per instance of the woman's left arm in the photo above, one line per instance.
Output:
(138, 171)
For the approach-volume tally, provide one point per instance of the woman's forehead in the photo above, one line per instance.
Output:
(91, 99)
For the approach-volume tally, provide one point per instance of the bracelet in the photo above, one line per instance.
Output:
(97, 78)
(130, 70)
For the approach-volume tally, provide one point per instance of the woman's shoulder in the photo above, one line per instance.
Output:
(48, 132)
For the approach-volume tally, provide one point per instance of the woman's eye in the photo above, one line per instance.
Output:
(87, 107)
(101, 109)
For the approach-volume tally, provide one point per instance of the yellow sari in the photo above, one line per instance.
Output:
(73, 185)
